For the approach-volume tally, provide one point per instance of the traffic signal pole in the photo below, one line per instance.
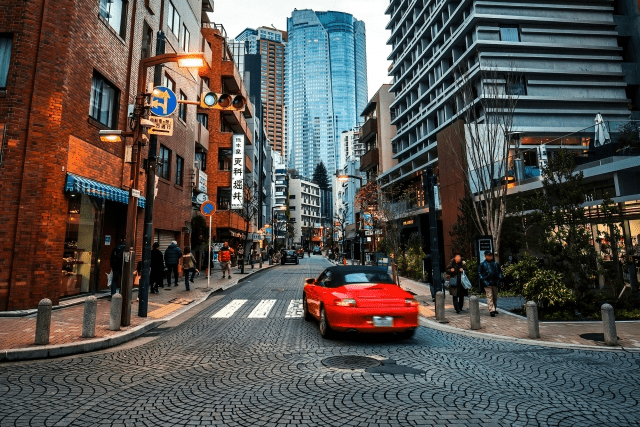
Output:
(143, 291)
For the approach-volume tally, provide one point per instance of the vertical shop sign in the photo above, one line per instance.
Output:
(237, 173)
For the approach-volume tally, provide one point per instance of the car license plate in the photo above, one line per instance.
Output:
(382, 322)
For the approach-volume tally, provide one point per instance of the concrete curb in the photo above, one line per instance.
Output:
(482, 335)
(47, 351)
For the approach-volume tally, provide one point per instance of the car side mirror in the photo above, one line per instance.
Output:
(310, 281)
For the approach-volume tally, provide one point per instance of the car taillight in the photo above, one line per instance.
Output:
(347, 302)
(410, 302)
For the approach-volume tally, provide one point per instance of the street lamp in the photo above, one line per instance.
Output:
(139, 124)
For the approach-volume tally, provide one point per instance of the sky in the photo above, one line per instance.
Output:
(236, 15)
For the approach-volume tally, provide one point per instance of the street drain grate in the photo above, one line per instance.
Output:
(350, 362)
(593, 337)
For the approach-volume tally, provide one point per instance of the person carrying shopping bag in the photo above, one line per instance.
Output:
(188, 263)
(456, 268)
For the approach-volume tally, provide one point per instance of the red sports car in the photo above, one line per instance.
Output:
(358, 298)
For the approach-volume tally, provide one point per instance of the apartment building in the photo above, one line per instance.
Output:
(304, 208)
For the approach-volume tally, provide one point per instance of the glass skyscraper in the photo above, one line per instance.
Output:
(326, 85)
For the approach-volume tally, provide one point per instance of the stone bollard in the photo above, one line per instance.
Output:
(115, 313)
(43, 322)
(532, 320)
(440, 307)
(474, 310)
(609, 325)
(89, 319)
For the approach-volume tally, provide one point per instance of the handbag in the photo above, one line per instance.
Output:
(453, 282)
(466, 283)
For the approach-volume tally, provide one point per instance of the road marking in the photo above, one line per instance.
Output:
(230, 309)
(294, 310)
(262, 309)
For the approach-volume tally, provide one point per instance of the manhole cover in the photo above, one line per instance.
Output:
(277, 290)
(594, 337)
(350, 362)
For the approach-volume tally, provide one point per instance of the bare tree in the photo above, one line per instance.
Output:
(250, 208)
(340, 221)
(485, 99)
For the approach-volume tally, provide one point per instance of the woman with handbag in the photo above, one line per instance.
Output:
(456, 268)
(188, 266)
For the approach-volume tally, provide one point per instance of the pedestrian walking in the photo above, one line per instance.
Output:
(188, 263)
(156, 277)
(253, 256)
(490, 278)
(455, 269)
(116, 266)
(171, 258)
(224, 256)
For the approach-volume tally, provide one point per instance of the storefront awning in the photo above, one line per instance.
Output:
(78, 184)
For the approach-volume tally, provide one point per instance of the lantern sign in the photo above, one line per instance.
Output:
(237, 172)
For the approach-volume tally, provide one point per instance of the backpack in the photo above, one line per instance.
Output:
(188, 262)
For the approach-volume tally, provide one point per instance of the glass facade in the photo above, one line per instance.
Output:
(326, 81)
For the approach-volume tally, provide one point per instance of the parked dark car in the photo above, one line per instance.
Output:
(289, 256)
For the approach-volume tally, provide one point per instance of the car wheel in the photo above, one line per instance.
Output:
(297, 262)
(408, 334)
(305, 309)
(325, 329)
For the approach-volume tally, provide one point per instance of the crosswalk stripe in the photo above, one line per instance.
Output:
(230, 309)
(294, 310)
(262, 309)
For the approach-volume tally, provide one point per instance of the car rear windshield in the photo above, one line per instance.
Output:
(291, 253)
(360, 277)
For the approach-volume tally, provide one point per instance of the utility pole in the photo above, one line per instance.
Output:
(428, 183)
(143, 290)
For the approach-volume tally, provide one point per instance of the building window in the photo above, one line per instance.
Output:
(515, 86)
(200, 160)
(224, 198)
(203, 119)
(292, 197)
(179, 170)
(173, 19)
(509, 34)
(6, 40)
(147, 40)
(182, 108)
(224, 159)
(186, 38)
(164, 163)
(169, 83)
(104, 101)
(115, 13)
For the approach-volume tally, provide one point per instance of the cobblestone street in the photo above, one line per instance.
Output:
(245, 357)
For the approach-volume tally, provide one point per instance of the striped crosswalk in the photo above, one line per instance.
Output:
(261, 310)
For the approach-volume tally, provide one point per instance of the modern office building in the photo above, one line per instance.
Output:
(326, 81)
(270, 44)
(567, 54)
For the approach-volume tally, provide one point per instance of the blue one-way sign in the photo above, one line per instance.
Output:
(163, 101)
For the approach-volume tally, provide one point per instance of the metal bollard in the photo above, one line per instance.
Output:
(115, 314)
(532, 319)
(474, 310)
(440, 307)
(89, 319)
(609, 325)
(43, 322)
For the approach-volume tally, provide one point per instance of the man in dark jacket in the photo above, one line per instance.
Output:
(171, 258)
(490, 277)
(116, 265)
(156, 278)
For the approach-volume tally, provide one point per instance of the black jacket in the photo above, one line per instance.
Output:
(172, 255)
(453, 270)
(157, 262)
(116, 257)
(490, 274)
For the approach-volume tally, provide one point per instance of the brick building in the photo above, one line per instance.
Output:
(64, 193)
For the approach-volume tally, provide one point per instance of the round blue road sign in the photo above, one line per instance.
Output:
(207, 208)
(163, 101)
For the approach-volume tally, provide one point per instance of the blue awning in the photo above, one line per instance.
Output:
(78, 184)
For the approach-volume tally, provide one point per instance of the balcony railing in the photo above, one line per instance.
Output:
(370, 127)
(369, 159)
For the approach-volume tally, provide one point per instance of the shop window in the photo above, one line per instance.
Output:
(173, 19)
(179, 170)
(6, 41)
(164, 163)
(147, 40)
(224, 198)
(104, 101)
(115, 13)
(182, 108)
(80, 244)
(509, 34)
(224, 159)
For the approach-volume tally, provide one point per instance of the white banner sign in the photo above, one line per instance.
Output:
(237, 173)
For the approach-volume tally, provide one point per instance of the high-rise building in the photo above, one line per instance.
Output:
(326, 81)
(270, 44)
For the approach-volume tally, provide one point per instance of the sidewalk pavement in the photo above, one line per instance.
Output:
(509, 326)
(17, 334)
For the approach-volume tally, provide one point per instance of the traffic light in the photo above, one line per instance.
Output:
(222, 101)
